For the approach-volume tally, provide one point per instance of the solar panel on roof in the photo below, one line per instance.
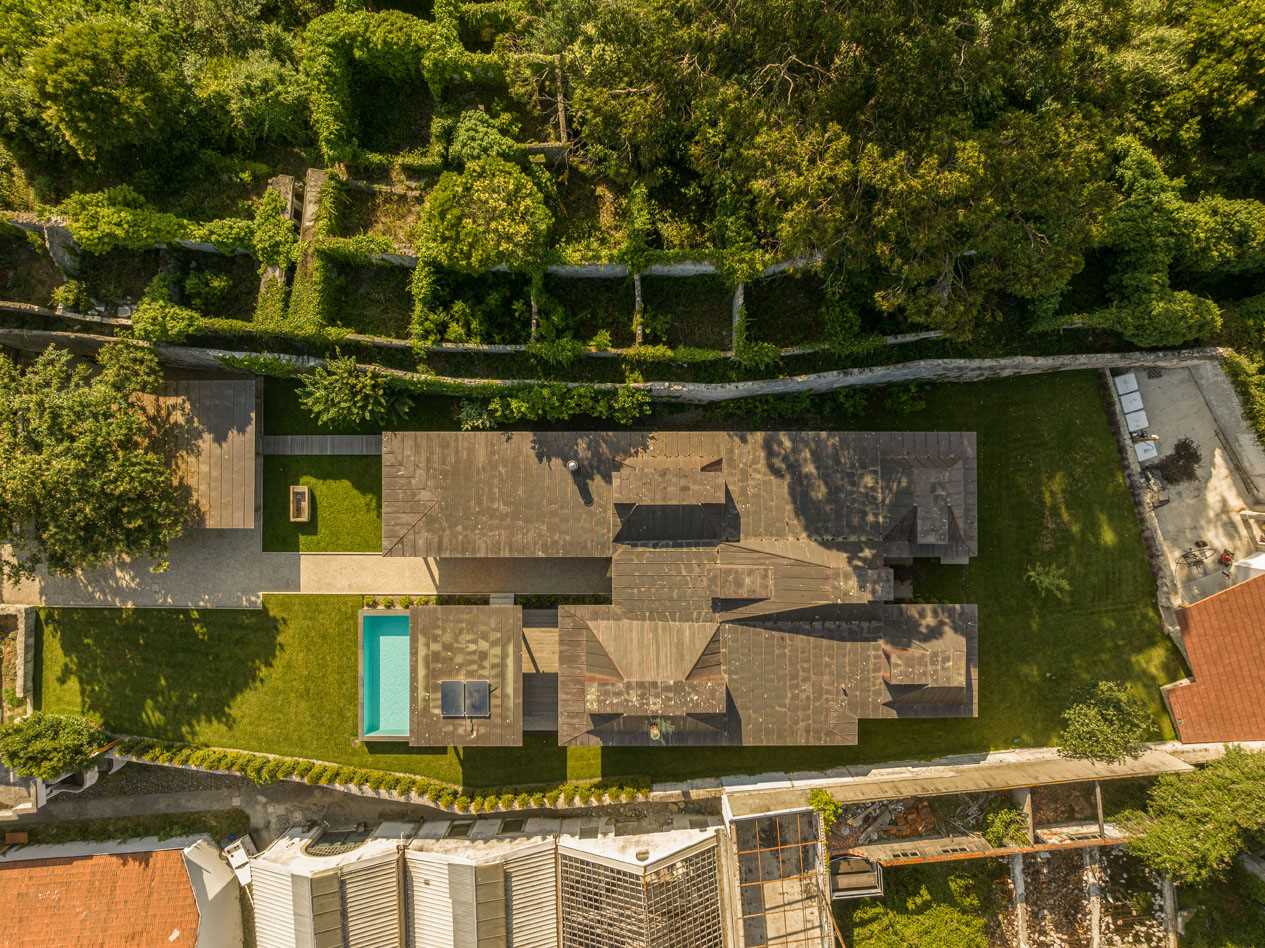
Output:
(478, 699)
(452, 699)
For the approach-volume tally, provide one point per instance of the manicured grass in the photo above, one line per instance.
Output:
(1050, 490)
(346, 492)
(952, 905)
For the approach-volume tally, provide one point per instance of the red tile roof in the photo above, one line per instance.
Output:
(1225, 639)
(134, 899)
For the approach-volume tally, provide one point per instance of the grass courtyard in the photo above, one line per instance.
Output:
(346, 492)
(283, 679)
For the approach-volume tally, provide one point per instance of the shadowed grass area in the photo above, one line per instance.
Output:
(346, 492)
(1051, 491)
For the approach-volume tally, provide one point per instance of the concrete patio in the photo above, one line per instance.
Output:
(1180, 404)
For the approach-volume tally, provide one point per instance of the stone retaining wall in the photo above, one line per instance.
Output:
(688, 393)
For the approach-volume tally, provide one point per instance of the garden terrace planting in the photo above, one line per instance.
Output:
(27, 272)
(591, 307)
(785, 309)
(694, 311)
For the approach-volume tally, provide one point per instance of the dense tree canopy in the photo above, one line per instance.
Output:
(963, 163)
(106, 85)
(85, 477)
(1195, 824)
(489, 215)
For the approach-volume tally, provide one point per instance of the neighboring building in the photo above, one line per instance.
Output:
(478, 883)
(752, 583)
(140, 893)
(1224, 636)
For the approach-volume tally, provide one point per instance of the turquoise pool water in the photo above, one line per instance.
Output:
(386, 685)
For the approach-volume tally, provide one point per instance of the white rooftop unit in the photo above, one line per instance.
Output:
(1249, 567)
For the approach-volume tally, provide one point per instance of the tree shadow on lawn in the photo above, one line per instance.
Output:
(158, 672)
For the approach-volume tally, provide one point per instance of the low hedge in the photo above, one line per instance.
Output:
(263, 769)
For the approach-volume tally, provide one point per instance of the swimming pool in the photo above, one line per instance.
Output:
(384, 678)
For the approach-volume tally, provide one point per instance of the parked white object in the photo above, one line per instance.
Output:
(1249, 567)
(1126, 383)
(1137, 421)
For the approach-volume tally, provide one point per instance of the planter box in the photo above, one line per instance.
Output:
(300, 504)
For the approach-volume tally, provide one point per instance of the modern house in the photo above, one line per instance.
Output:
(752, 596)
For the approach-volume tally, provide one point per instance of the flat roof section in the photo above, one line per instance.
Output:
(938, 780)
(213, 447)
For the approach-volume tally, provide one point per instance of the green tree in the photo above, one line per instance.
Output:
(49, 745)
(1196, 823)
(1106, 724)
(85, 477)
(342, 393)
(489, 215)
(106, 85)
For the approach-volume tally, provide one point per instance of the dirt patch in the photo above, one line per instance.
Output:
(11, 704)
(1132, 902)
(688, 311)
(785, 309)
(1058, 903)
(383, 213)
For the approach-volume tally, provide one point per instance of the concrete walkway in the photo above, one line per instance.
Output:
(225, 569)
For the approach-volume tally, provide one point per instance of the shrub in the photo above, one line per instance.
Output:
(522, 801)
(158, 319)
(447, 798)
(1106, 724)
(118, 217)
(552, 797)
(827, 808)
(106, 85)
(462, 803)
(478, 804)
(273, 239)
(48, 745)
(302, 768)
(1048, 580)
(207, 291)
(489, 215)
(476, 136)
(505, 800)
(1006, 826)
(906, 399)
(538, 799)
(341, 393)
(601, 340)
(72, 296)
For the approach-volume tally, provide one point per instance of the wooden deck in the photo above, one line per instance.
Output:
(322, 444)
(213, 447)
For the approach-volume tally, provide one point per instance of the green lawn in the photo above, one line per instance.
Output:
(346, 493)
(1051, 491)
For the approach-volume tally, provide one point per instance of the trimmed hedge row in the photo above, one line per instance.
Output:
(264, 768)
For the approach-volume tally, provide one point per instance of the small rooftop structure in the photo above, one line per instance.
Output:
(468, 676)
(1224, 636)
